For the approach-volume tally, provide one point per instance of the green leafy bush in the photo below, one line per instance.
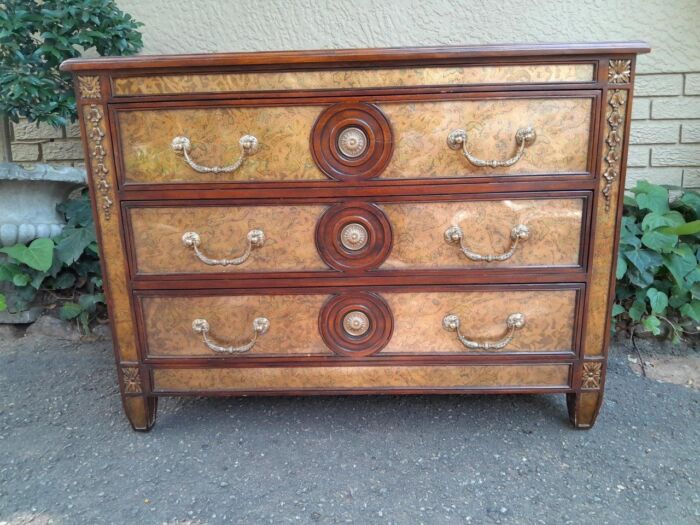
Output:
(65, 270)
(658, 266)
(37, 35)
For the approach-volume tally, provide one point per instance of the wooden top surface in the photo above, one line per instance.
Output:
(340, 57)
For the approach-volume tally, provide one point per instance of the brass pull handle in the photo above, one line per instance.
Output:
(514, 322)
(201, 326)
(523, 137)
(183, 145)
(455, 235)
(255, 238)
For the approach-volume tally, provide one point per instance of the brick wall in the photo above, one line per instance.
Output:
(665, 135)
(43, 143)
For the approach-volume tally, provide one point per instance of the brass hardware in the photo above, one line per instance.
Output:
(455, 235)
(201, 326)
(354, 236)
(255, 238)
(514, 322)
(356, 323)
(619, 71)
(352, 142)
(523, 137)
(182, 146)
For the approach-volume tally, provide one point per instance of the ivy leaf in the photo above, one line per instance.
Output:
(653, 220)
(658, 300)
(3, 302)
(72, 243)
(659, 242)
(70, 310)
(652, 324)
(643, 260)
(621, 267)
(89, 302)
(21, 279)
(680, 263)
(637, 310)
(691, 310)
(651, 197)
(64, 280)
(617, 309)
(38, 255)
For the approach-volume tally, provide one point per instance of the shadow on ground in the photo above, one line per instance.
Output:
(67, 455)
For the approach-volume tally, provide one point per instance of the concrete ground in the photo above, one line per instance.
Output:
(67, 455)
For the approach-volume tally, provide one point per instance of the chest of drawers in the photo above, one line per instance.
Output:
(406, 221)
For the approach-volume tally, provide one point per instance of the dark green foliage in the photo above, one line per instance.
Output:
(658, 267)
(65, 270)
(37, 35)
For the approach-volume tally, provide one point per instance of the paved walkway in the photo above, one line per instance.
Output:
(67, 455)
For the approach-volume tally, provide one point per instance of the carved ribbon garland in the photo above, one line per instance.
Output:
(97, 155)
(616, 100)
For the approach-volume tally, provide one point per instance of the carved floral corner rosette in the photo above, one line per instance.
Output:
(591, 375)
(617, 101)
(98, 157)
(131, 377)
(619, 71)
(89, 87)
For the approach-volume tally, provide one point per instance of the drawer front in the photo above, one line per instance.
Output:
(356, 141)
(362, 324)
(359, 236)
(359, 378)
(175, 84)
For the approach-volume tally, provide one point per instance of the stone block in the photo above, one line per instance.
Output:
(691, 177)
(692, 84)
(673, 176)
(641, 108)
(679, 155)
(654, 132)
(675, 108)
(24, 130)
(22, 152)
(638, 157)
(690, 132)
(658, 85)
(68, 149)
(73, 130)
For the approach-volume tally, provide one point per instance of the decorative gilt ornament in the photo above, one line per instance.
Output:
(619, 71)
(352, 142)
(98, 155)
(591, 375)
(616, 100)
(89, 87)
(132, 380)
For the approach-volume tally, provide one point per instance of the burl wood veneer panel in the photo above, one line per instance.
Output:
(418, 231)
(359, 377)
(293, 324)
(289, 238)
(420, 131)
(282, 132)
(350, 78)
(549, 320)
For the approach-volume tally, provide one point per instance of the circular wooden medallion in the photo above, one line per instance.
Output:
(353, 236)
(356, 324)
(352, 141)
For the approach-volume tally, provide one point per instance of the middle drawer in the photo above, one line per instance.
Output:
(517, 232)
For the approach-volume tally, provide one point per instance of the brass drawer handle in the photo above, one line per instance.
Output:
(455, 235)
(183, 145)
(255, 238)
(201, 326)
(523, 137)
(514, 322)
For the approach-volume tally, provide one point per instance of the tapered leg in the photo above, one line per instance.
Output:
(141, 411)
(583, 408)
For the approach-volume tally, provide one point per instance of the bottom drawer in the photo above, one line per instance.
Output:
(361, 378)
(369, 324)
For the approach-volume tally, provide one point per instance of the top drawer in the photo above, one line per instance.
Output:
(469, 136)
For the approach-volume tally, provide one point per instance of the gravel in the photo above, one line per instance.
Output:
(68, 456)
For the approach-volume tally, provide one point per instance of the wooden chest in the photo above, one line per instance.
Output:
(405, 221)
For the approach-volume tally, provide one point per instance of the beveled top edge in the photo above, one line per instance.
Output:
(349, 56)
